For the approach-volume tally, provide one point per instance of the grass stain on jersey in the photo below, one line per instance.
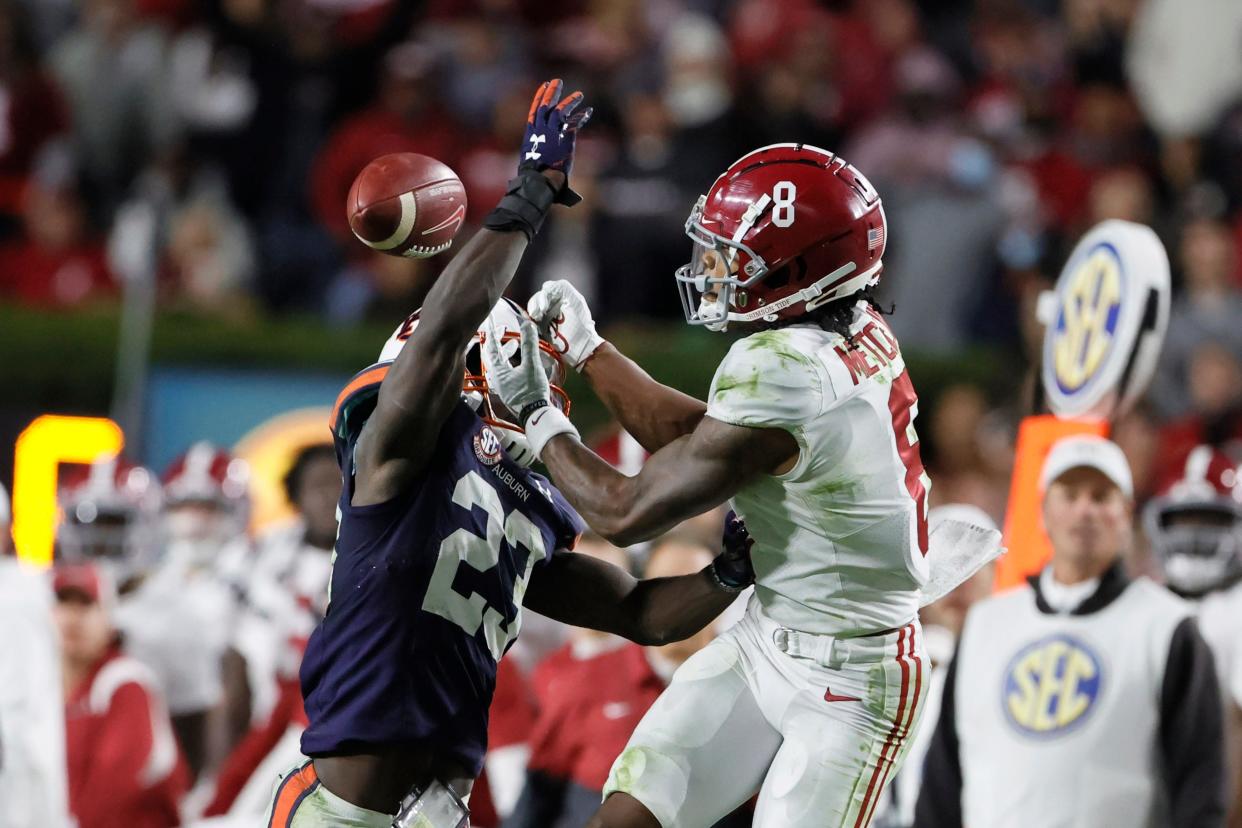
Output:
(736, 385)
(778, 344)
(835, 489)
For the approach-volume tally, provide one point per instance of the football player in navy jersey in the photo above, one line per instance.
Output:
(445, 534)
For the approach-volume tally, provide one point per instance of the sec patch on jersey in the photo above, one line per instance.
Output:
(1051, 686)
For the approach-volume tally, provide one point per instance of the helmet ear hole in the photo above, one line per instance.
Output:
(474, 359)
(794, 271)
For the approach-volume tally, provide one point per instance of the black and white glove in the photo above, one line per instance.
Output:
(523, 388)
(565, 321)
(732, 569)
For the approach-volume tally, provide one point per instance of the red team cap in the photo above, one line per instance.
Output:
(84, 579)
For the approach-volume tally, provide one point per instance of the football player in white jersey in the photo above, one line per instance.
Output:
(808, 432)
(1195, 530)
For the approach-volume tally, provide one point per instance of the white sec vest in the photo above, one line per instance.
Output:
(1058, 715)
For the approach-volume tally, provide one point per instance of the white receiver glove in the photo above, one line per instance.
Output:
(565, 320)
(523, 388)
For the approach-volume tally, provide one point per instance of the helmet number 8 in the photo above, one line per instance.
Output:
(783, 195)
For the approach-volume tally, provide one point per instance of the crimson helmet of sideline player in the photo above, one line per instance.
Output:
(1195, 525)
(506, 316)
(109, 514)
(206, 495)
(784, 230)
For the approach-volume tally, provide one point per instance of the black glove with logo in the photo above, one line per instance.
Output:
(551, 132)
(732, 569)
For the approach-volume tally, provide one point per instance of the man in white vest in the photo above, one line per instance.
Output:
(1085, 698)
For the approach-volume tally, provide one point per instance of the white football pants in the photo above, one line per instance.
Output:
(817, 725)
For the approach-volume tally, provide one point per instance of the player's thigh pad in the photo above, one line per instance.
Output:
(703, 747)
(301, 801)
(837, 757)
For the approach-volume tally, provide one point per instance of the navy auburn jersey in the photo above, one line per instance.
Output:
(426, 590)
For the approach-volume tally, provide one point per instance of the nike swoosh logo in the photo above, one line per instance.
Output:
(829, 696)
(535, 420)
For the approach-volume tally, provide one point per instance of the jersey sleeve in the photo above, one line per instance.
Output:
(766, 381)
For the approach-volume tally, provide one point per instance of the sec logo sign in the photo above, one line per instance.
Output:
(1087, 323)
(1105, 321)
(1051, 686)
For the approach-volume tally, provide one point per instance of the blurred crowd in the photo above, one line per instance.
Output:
(211, 143)
(206, 147)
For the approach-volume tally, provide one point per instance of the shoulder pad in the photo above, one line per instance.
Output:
(357, 399)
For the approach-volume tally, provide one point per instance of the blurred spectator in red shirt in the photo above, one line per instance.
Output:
(592, 693)
(487, 165)
(31, 110)
(1214, 384)
(57, 263)
(125, 770)
(508, 732)
(406, 118)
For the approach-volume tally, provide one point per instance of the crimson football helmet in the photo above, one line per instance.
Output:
(1195, 526)
(507, 316)
(786, 229)
(109, 513)
(206, 495)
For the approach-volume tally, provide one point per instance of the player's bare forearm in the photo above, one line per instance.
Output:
(424, 382)
(690, 475)
(587, 592)
(457, 304)
(653, 413)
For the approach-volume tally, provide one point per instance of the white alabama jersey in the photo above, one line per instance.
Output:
(841, 539)
(178, 622)
(1220, 624)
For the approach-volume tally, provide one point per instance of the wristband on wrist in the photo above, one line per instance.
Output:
(545, 422)
(524, 206)
(531, 408)
(726, 584)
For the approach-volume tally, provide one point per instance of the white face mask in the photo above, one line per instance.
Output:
(714, 309)
(1192, 574)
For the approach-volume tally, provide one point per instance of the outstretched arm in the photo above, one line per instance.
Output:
(654, 414)
(587, 592)
(425, 380)
(687, 477)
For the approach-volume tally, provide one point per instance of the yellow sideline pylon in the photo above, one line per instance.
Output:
(47, 442)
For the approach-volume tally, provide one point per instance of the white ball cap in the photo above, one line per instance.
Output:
(1091, 452)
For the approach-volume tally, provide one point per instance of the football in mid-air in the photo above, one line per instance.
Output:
(406, 204)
